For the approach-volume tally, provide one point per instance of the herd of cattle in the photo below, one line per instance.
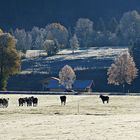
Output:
(27, 101)
(33, 101)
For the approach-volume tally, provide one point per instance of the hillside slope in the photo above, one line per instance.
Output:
(83, 59)
(91, 64)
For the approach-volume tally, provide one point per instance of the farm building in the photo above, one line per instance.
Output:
(53, 84)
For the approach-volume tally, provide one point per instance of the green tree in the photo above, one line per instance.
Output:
(1, 31)
(9, 58)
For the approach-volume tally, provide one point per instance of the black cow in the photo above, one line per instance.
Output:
(104, 98)
(29, 101)
(21, 101)
(4, 102)
(1, 102)
(34, 101)
(63, 100)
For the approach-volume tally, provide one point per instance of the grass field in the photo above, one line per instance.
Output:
(83, 118)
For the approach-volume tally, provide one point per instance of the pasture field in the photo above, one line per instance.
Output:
(83, 118)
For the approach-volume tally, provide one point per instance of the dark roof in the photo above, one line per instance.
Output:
(54, 84)
(78, 84)
(82, 84)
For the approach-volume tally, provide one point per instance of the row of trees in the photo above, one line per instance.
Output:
(123, 71)
(52, 38)
(122, 32)
(84, 34)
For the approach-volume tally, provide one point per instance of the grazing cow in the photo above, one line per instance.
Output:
(4, 102)
(104, 98)
(63, 100)
(1, 102)
(29, 101)
(35, 101)
(21, 101)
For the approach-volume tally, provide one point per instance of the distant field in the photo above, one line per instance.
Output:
(83, 59)
(83, 118)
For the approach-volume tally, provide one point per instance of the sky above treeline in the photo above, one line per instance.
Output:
(29, 13)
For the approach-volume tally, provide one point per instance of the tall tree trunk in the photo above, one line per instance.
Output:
(3, 79)
(3, 83)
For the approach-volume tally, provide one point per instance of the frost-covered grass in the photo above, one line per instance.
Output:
(84, 117)
(35, 53)
(82, 59)
(97, 52)
(80, 53)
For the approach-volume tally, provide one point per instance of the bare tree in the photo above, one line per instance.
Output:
(122, 71)
(74, 43)
(67, 77)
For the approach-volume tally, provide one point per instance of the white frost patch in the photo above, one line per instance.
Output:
(35, 53)
(66, 54)
(91, 52)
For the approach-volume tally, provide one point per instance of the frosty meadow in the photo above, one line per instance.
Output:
(83, 117)
(69, 70)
